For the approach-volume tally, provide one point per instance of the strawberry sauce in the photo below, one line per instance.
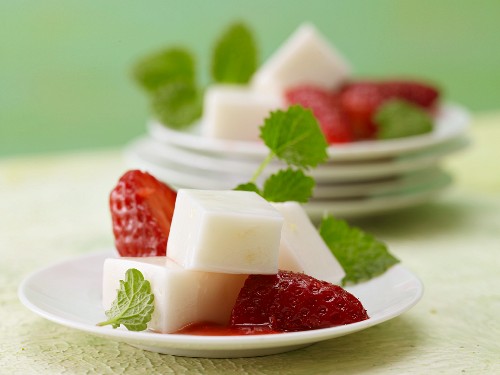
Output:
(212, 329)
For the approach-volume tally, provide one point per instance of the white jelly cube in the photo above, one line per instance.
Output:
(236, 112)
(225, 231)
(182, 297)
(305, 58)
(302, 249)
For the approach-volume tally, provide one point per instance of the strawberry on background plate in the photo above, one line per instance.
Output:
(325, 107)
(360, 101)
(290, 301)
(348, 113)
(141, 210)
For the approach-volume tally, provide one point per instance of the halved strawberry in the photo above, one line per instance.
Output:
(360, 100)
(326, 109)
(290, 301)
(421, 94)
(141, 210)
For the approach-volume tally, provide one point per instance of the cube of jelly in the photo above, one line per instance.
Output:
(305, 58)
(182, 297)
(236, 112)
(225, 231)
(302, 249)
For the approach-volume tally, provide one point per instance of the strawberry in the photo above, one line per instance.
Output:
(141, 211)
(417, 93)
(290, 301)
(361, 100)
(325, 108)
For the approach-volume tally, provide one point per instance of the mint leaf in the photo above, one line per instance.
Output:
(158, 69)
(133, 305)
(360, 254)
(399, 118)
(249, 186)
(177, 104)
(288, 185)
(295, 137)
(235, 56)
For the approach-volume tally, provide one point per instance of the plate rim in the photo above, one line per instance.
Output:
(180, 341)
(352, 151)
(138, 152)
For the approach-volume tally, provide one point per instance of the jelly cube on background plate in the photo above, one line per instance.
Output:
(236, 112)
(305, 58)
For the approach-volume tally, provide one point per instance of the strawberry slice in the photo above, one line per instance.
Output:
(418, 93)
(290, 301)
(324, 105)
(141, 210)
(360, 101)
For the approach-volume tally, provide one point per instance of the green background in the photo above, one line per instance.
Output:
(65, 65)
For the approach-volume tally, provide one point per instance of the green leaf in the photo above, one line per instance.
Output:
(235, 56)
(360, 254)
(158, 69)
(295, 137)
(177, 104)
(399, 118)
(133, 305)
(288, 185)
(249, 186)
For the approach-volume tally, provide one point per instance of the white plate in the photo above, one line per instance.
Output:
(69, 293)
(369, 206)
(189, 169)
(451, 121)
(381, 187)
(342, 207)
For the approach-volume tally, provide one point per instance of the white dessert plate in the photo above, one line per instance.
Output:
(69, 293)
(188, 169)
(451, 121)
(375, 205)
(341, 206)
(381, 187)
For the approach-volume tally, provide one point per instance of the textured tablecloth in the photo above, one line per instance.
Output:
(55, 206)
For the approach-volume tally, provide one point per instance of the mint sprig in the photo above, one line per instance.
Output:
(169, 65)
(361, 255)
(134, 303)
(177, 103)
(169, 76)
(399, 118)
(288, 185)
(234, 59)
(293, 136)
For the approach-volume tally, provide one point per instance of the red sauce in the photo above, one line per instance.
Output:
(212, 329)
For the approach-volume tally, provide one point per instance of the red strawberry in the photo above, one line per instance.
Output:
(325, 108)
(360, 101)
(290, 301)
(141, 211)
(417, 93)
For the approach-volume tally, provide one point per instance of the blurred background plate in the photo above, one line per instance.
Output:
(356, 208)
(148, 153)
(451, 122)
(384, 186)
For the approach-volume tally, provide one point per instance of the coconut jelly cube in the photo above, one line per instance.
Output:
(236, 112)
(182, 297)
(302, 249)
(225, 231)
(305, 57)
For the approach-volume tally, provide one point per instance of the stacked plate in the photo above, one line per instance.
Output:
(359, 179)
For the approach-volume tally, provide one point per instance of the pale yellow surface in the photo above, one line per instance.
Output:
(54, 207)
